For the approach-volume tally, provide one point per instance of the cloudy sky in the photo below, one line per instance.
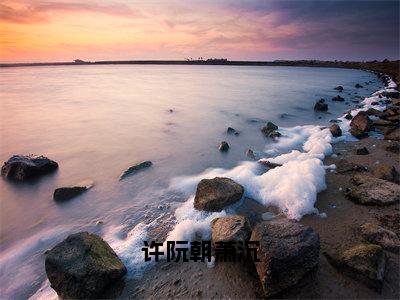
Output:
(62, 30)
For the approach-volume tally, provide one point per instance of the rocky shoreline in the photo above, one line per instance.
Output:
(356, 247)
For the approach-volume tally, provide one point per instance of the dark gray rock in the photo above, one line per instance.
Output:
(358, 86)
(338, 88)
(217, 193)
(268, 164)
(21, 168)
(66, 193)
(362, 151)
(348, 116)
(223, 147)
(136, 168)
(250, 154)
(287, 251)
(320, 105)
(338, 98)
(231, 130)
(269, 128)
(335, 130)
(82, 266)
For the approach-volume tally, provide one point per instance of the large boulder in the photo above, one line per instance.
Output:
(364, 262)
(217, 193)
(360, 134)
(82, 266)
(136, 168)
(335, 130)
(320, 105)
(362, 122)
(21, 168)
(376, 234)
(373, 191)
(230, 228)
(287, 251)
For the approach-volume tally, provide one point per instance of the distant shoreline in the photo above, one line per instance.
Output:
(392, 68)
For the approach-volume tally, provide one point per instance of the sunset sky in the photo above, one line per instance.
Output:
(62, 30)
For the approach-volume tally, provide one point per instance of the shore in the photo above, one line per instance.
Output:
(338, 231)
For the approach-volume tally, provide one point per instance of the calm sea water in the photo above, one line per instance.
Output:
(96, 121)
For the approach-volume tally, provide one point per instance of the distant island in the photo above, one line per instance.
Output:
(385, 66)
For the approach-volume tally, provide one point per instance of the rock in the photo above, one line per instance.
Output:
(392, 134)
(231, 130)
(335, 130)
(268, 164)
(275, 134)
(386, 172)
(396, 101)
(335, 121)
(287, 251)
(136, 168)
(217, 193)
(358, 86)
(358, 133)
(269, 128)
(390, 94)
(250, 154)
(394, 147)
(82, 266)
(374, 112)
(382, 123)
(338, 98)
(66, 193)
(364, 263)
(348, 116)
(362, 151)
(230, 228)
(344, 166)
(320, 105)
(223, 147)
(362, 122)
(338, 88)
(374, 103)
(391, 221)
(21, 168)
(375, 234)
(373, 191)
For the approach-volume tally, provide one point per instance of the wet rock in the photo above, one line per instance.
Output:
(217, 193)
(362, 151)
(287, 251)
(344, 166)
(391, 221)
(275, 134)
(339, 88)
(231, 130)
(358, 133)
(386, 172)
(382, 123)
(250, 154)
(223, 147)
(66, 193)
(373, 191)
(361, 122)
(375, 103)
(320, 105)
(358, 86)
(21, 168)
(392, 134)
(335, 121)
(269, 128)
(348, 116)
(268, 164)
(394, 147)
(136, 168)
(82, 266)
(335, 130)
(230, 228)
(364, 263)
(374, 112)
(375, 234)
(338, 98)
